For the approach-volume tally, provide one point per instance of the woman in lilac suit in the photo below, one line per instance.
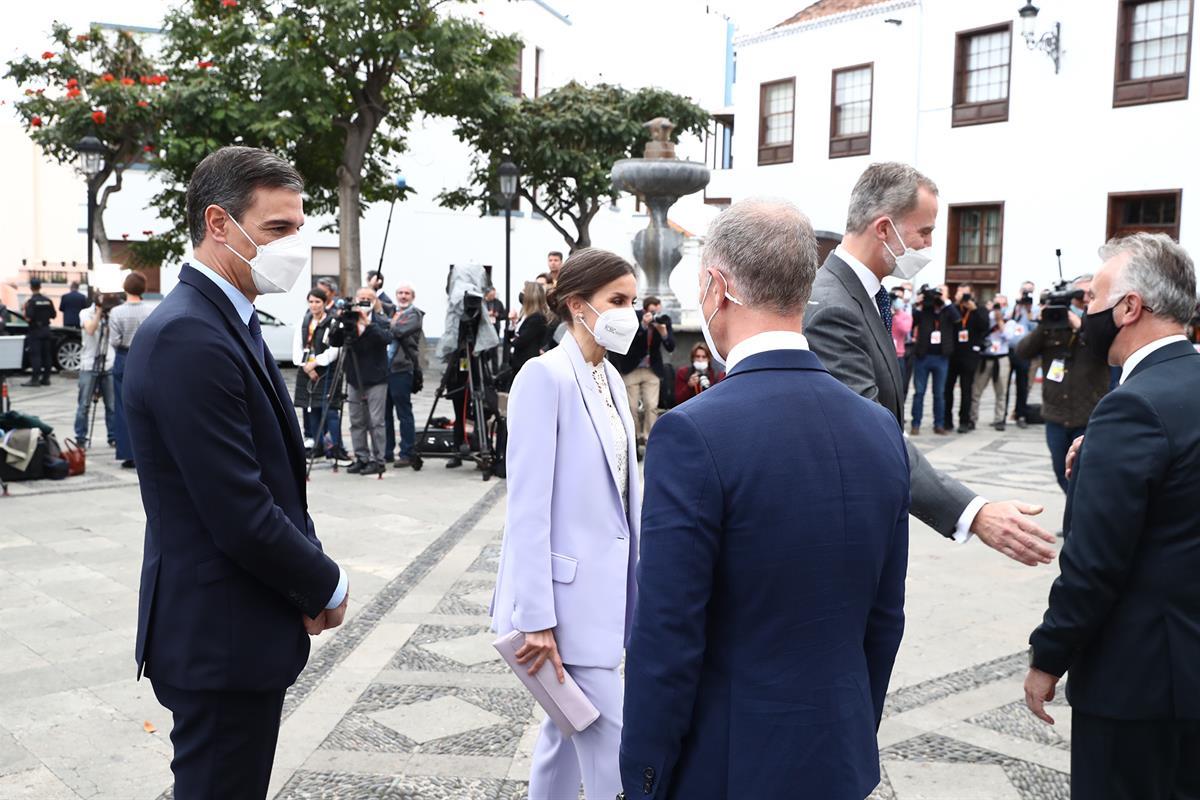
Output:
(566, 576)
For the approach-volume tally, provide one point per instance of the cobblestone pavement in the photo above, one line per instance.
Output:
(408, 700)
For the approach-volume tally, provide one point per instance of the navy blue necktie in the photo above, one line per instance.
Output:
(884, 300)
(256, 337)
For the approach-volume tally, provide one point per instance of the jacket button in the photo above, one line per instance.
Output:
(649, 773)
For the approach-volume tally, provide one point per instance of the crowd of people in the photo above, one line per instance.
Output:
(753, 587)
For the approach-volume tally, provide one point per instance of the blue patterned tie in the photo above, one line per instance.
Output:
(884, 300)
(256, 336)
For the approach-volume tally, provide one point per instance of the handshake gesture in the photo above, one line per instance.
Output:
(327, 620)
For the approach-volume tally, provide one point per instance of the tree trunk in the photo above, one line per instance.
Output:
(349, 241)
(99, 232)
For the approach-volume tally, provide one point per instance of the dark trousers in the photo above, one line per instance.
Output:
(120, 431)
(1058, 439)
(1115, 759)
(963, 368)
(400, 404)
(925, 366)
(1020, 371)
(224, 741)
(40, 357)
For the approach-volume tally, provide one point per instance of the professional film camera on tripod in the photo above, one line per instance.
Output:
(468, 382)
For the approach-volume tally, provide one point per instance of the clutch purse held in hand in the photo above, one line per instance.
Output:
(564, 703)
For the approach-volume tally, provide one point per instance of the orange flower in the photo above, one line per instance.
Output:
(127, 81)
(204, 64)
(229, 3)
(72, 83)
(83, 37)
(143, 104)
(147, 233)
(47, 55)
(36, 121)
(73, 93)
(107, 77)
(148, 148)
(28, 92)
(124, 235)
(99, 117)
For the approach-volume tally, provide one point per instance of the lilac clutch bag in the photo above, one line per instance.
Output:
(565, 703)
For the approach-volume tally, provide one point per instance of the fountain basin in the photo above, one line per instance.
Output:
(659, 177)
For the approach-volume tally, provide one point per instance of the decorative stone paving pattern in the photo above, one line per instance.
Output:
(1014, 719)
(884, 790)
(347, 786)
(1034, 782)
(414, 657)
(469, 596)
(488, 560)
(920, 694)
(358, 731)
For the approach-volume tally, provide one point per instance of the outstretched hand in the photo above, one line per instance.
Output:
(1006, 527)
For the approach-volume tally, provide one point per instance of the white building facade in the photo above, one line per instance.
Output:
(1028, 159)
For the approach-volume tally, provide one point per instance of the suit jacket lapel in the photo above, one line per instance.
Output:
(883, 340)
(275, 389)
(594, 402)
(1168, 352)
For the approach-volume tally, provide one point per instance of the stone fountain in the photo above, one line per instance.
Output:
(661, 179)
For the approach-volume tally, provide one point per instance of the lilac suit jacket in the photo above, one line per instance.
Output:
(570, 544)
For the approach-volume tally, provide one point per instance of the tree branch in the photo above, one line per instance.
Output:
(549, 218)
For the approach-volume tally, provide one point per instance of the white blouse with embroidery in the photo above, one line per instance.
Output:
(617, 426)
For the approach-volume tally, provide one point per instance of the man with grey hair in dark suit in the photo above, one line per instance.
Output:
(889, 229)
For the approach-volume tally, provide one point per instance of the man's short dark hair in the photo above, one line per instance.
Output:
(555, 253)
(74, 286)
(319, 293)
(373, 274)
(135, 284)
(651, 301)
(229, 177)
(35, 284)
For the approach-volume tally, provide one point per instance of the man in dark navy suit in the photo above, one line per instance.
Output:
(233, 576)
(1124, 615)
(774, 549)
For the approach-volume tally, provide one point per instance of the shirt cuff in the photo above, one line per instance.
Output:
(339, 594)
(962, 530)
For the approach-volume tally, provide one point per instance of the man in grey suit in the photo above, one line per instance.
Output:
(889, 228)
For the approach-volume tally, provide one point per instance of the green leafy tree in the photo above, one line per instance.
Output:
(99, 83)
(565, 143)
(333, 85)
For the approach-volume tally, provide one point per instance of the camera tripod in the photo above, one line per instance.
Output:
(99, 367)
(339, 370)
(474, 408)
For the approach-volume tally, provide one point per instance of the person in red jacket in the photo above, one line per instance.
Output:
(696, 376)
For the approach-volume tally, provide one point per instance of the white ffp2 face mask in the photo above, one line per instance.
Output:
(277, 264)
(706, 322)
(615, 328)
(910, 262)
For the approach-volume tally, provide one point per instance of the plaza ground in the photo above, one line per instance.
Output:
(408, 699)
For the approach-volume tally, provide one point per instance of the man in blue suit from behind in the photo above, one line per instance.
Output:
(774, 551)
(234, 579)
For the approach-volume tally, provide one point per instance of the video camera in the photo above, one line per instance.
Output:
(1056, 304)
(932, 295)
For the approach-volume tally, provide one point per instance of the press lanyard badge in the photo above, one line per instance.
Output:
(1057, 371)
(964, 336)
(935, 337)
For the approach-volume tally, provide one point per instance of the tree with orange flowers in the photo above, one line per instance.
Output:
(100, 83)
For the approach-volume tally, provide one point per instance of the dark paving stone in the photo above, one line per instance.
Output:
(926, 692)
(348, 786)
(1014, 719)
(1032, 781)
(414, 657)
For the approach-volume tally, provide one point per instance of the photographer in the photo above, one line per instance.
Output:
(969, 333)
(315, 393)
(933, 326)
(1075, 379)
(1024, 321)
(697, 376)
(994, 368)
(364, 331)
(642, 367)
(404, 372)
(93, 327)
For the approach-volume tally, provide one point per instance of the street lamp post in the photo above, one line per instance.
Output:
(509, 177)
(91, 160)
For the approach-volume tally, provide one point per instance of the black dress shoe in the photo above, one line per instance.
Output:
(964, 428)
(373, 468)
(356, 468)
(31, 383)
(127, 464)
(454, 463)
(1000, 426)
(45, 381)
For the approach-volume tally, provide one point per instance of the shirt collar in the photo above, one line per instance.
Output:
(762, 342)
(1140, 354)
(868, 279)
(243, 307)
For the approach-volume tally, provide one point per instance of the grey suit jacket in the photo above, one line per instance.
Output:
(845, 331)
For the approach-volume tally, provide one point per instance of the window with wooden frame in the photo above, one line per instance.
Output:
(850, 111)
(537, 72)
(517, 73)
(975, 244)
(1153, 51)
(1145, 212)
(981, 75)
(776, 121)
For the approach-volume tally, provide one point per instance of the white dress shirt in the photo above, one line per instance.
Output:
(1140, 354)
(870, 280)
(245, 309)
(762, 342)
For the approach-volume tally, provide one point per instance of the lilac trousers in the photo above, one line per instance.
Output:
(559, 763)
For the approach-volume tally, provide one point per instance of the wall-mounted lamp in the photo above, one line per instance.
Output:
(1049, 41)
